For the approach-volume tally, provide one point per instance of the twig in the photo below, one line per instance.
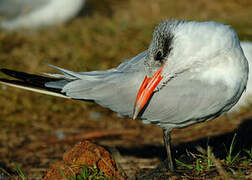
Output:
(6, 173)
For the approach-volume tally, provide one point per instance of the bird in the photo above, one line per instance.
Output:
(246, 98)
(191, 72)
(34, 14)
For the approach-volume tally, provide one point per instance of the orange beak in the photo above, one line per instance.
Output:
(146, 90)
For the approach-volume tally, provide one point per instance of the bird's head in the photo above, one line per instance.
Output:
(154, 62)
(160, 48)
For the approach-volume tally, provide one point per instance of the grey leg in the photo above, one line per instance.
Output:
(167, 142)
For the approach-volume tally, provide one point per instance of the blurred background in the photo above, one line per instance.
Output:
(35, 129)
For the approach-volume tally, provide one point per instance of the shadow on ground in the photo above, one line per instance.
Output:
(220, 145)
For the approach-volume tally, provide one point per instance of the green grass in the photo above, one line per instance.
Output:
(249, 152)
(89, 173)
(180, 163)
(209, 162)
(114, 31)
(20, 172)
(232, 166)
(230, 158)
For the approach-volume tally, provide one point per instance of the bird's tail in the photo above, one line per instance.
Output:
(34, 83)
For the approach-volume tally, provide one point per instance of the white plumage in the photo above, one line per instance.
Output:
(246, 98)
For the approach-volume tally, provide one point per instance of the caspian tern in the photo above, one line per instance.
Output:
(31, 14)
(192, 72)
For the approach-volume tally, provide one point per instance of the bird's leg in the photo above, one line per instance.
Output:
(167, 142)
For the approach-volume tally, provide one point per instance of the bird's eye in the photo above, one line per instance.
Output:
(159, 56)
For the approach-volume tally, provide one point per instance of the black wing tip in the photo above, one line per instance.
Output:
(9, 72)
(4, 70)
(26, 84)
(26, 76)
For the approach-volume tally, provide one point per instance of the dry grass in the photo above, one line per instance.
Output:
(110, 32)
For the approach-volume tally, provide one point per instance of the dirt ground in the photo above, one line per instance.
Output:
(35, 130)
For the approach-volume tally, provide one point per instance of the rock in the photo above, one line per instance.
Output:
(87, 153)
(84, 153)
(56, 171)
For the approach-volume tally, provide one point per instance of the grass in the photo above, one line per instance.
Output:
(234, 166)
(20, 173)
(88, 173)
(230, 159)
(180, 163)
(112, 32)
(249, 152)
(209, 162)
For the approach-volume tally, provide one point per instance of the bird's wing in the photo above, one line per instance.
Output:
(99, 86)
(186, 100)
(130, 65)
(115, 89)
(11, 8)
